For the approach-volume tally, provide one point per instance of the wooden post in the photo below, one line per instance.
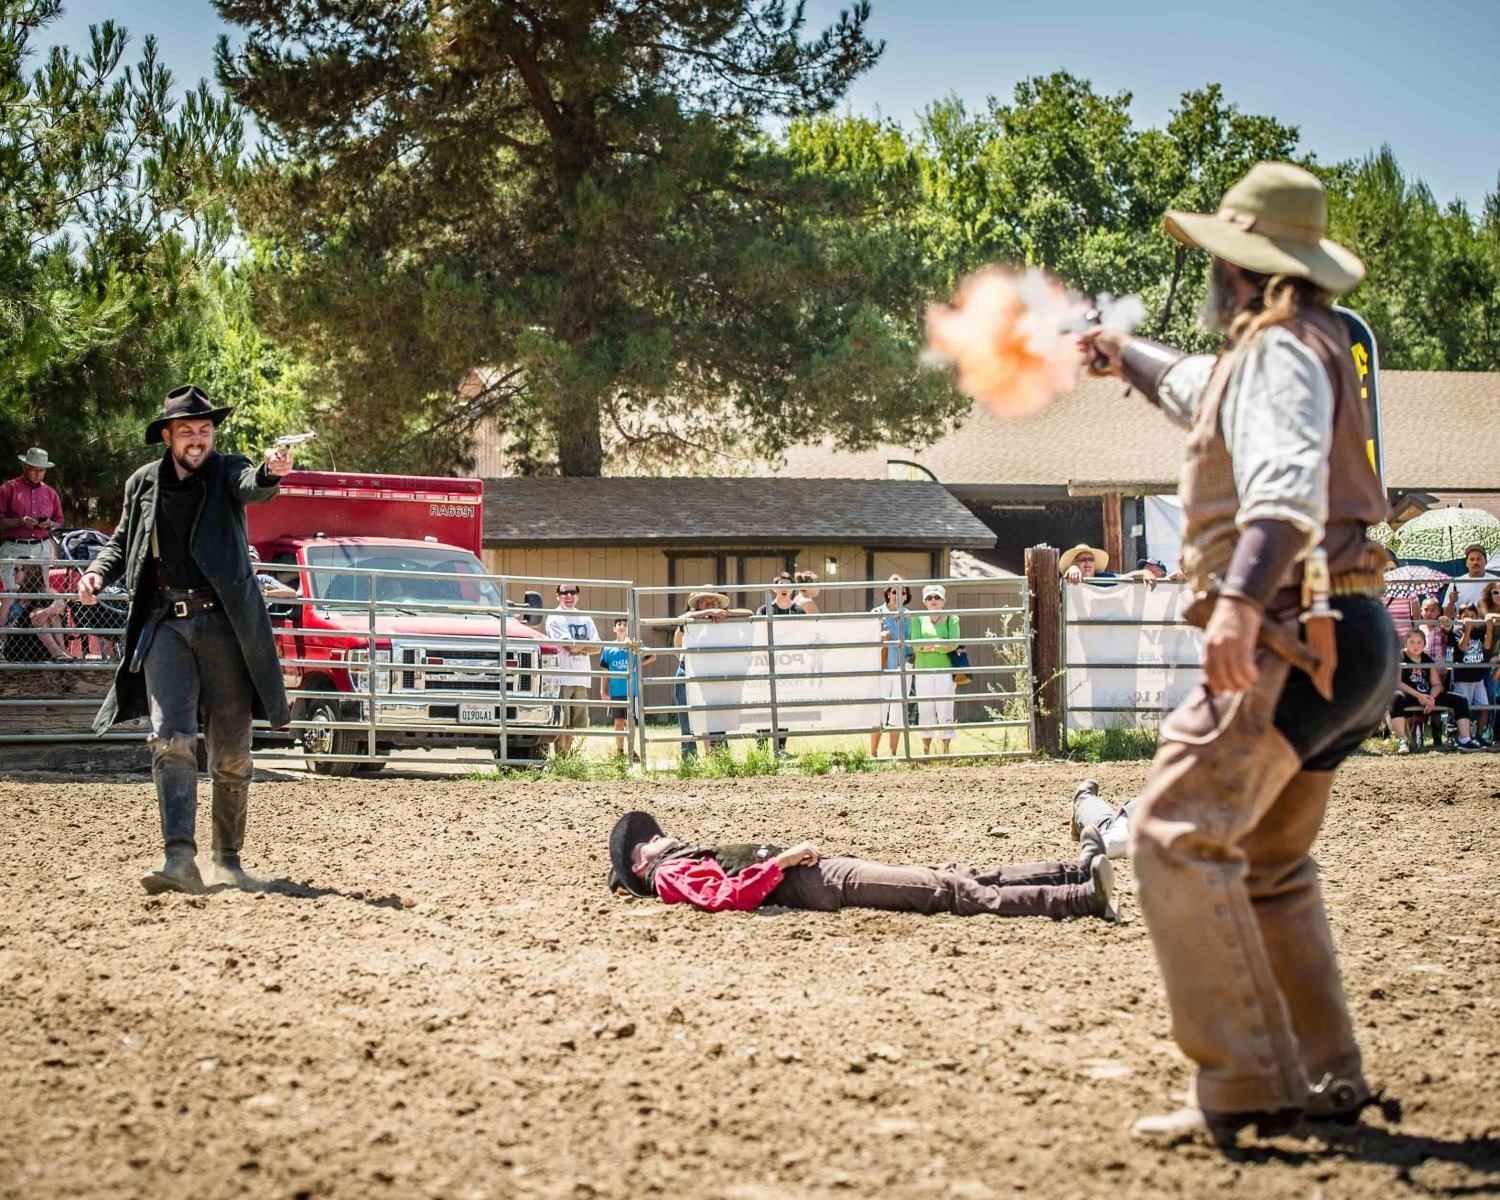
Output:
(1046, 650)
(1114, 541)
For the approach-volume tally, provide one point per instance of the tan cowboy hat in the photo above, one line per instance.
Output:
(1272, 222)
(721, 599)
(36, 457)
(1101, 557)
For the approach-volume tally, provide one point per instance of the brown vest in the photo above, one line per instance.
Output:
(1356, 500)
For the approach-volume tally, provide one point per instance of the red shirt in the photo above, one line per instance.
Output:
(19, 497)
(702, 883)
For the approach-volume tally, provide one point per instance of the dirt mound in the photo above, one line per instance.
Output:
(438, 998)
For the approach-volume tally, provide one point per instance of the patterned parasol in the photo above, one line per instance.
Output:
(1441, 534)
(1383, 535)
(1401, 583)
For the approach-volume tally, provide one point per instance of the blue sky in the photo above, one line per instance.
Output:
(1422, 77)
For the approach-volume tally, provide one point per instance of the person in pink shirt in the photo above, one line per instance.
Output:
(30, 509)
(644, 861)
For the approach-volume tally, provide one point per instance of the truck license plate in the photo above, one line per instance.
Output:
(476, 714)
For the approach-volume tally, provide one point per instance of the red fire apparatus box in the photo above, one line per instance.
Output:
(337, 504)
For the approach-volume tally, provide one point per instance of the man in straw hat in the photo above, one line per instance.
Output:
(30, 509)
(1277, 491)
(197, 636)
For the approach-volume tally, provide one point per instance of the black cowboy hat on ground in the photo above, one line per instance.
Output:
(185, 404)
(629, 832)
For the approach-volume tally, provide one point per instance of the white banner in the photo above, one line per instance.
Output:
(739, 674)
(1129, 656)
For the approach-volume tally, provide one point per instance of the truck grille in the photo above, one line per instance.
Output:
(425, 668)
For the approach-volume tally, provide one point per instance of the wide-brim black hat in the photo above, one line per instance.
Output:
(185, 404)
(629, 832)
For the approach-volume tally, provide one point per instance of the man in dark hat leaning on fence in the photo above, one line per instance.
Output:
(644, 861)
(1299, 662)
(197, 636)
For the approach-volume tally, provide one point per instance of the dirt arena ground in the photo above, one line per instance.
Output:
(438, 999)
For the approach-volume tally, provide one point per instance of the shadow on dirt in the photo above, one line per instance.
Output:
(1478, 1157)
(304, 891)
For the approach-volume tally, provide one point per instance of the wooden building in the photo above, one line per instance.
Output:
(731, 535)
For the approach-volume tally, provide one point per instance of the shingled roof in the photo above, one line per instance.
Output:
(1434, 430)
(695, 511)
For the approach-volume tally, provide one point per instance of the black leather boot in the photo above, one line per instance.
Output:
(231, 802)
(174, 767)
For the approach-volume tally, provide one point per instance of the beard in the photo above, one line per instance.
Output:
(1219, 302)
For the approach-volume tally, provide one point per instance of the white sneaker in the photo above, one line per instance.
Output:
(1402, 747)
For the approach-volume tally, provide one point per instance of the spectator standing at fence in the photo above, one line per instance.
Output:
(934, 635)
(1278, 492)
(702, 606)
(1421, 692)
(621, 686)
(781, 604)
(1152, 571)
(1473, 642)
(1084, 562)
(197, 636)
(895, 633)
(807, 592)
(30, 509)
(572, 631)
(1469, 587)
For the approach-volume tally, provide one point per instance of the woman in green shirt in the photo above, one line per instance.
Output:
(933, 635)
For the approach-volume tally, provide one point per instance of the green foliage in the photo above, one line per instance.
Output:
(1061, 179)
(111, 205)
(1118, 743)
(1432, 294)
(576, 200)
(815, 762)
(236, 364)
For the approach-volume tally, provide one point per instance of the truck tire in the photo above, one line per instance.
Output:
(327, 741)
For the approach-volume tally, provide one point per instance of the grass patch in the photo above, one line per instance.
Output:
(1119, 743)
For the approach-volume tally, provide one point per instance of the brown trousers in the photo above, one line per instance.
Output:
(1230, 895)
(1043, 889)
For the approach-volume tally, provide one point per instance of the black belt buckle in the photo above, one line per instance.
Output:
(179, 608)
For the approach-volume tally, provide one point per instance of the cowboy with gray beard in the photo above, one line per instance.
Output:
(197, 636)
(1299, 661)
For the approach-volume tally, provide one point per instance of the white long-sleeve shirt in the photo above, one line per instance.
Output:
(1276, 417)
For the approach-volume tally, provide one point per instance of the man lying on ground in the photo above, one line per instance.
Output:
(646, 862)
(1111, 823)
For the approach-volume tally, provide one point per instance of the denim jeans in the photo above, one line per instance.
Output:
(194, 664)
(684, 726)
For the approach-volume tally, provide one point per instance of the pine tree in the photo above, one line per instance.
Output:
(580, 201)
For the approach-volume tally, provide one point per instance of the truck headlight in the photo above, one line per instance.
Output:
(359, 674)
(551, 684)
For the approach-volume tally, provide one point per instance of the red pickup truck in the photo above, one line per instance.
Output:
(445, 684)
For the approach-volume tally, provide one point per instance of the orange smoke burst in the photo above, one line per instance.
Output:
(1008, 336)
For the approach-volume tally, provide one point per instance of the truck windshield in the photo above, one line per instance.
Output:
(448, 576)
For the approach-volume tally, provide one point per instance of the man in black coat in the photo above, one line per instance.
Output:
(197, 637)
